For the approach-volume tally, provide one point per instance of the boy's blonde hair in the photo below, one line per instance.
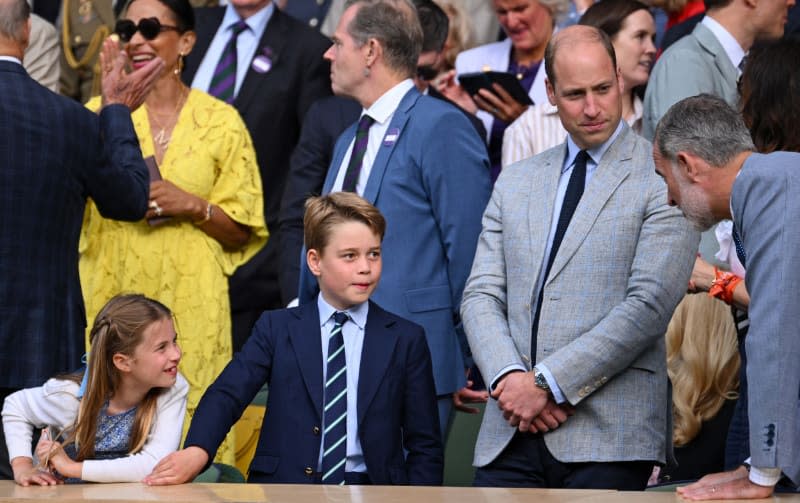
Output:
(324, 212)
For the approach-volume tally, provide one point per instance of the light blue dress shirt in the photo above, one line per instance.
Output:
(353, 334)
(246, 46)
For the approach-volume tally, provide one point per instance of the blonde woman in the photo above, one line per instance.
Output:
(703, 365)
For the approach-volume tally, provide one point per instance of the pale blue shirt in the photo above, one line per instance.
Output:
(353, 334)
(595, 155)
(246, 45)
(382, 112)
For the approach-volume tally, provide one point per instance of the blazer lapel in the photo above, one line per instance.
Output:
(272, 45)
(710, 43)
(304, 336)
(543, 189)
(401, 116)
(380, 339)
(611, 171)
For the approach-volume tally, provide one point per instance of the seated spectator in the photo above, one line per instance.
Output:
(114, 420)
(703, 365)
(631, 28)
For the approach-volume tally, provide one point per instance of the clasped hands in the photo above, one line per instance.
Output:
(528, 407)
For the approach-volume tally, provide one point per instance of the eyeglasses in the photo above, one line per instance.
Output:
(149, 27)
(427, 72)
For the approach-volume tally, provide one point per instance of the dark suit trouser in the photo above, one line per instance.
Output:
(526, 462)
(5, 466)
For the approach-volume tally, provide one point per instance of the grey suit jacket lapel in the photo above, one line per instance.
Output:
(710, 43)
(543, 188)
(396, 126)
(613, 168)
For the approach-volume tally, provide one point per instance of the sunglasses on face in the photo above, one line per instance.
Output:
(149, 27)
(427, 72)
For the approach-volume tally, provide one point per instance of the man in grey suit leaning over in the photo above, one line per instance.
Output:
(592, 308)
(704, 152)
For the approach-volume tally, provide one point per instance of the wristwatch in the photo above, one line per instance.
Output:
(539, 380)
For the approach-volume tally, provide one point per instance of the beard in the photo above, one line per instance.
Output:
(696, 206)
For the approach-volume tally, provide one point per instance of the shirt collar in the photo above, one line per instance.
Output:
(11, 59)
(357, 313)
(732, 48)
(595, 154)
(384, 107)
(257, 22)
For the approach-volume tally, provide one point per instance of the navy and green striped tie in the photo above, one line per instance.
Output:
(334, 443)
(223, 82)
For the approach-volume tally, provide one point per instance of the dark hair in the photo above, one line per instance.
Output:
(14, 14)
(609, 15)
(181, 10)
(593, 34)
(325, 212)
(435, 25)
(395, 25)
(716, 4)
(770, 95)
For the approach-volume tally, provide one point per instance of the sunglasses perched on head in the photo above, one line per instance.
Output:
(149, 27)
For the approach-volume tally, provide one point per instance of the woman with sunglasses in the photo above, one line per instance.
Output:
(206, 214)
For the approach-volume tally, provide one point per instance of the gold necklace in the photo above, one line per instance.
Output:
(162, 139)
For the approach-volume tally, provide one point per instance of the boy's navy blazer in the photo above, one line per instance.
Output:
(397, 408)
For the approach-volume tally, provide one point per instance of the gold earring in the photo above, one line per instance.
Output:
(179, 66)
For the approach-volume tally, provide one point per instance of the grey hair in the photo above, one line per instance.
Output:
(558, 9)
(705, 126)
(14, 16)
(394, 23)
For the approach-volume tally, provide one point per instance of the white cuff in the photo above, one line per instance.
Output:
(767, 477)
(505, 370)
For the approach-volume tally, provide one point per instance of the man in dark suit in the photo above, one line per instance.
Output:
(423, 166)
(279, 74)
(351, 398)
(53, 155)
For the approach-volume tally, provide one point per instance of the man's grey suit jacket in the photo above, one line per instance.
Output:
(766, 208)
(622, 267)
(695, 64)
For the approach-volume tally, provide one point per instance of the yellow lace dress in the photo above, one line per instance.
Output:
(211, 156)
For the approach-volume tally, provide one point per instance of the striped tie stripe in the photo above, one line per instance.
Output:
(334, 444)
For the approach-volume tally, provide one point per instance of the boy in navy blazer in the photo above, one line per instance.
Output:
(351, 392)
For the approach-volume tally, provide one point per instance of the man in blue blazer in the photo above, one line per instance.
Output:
(53, 155)
(369, 420)
(423, 166)
(704, 152)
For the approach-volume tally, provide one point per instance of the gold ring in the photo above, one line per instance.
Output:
(153, 204)
(158, 210)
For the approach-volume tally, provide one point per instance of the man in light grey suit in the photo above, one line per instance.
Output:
(593, 310)
(704, 152)
(708, 60)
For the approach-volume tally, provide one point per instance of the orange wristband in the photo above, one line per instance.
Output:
(723, 285)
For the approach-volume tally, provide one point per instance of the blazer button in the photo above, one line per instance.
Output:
(526, 358)
(308, 471)
(315, 430)
(604, 379)
(581, 393)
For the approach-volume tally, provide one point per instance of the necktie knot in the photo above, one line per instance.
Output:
(581, 159)
(365, 123)
(340, 318)
(238, 27)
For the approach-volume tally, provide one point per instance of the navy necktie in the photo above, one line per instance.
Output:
(223, 82)
(334, 444)
(357, 154)
(575, 186)
(737, 241)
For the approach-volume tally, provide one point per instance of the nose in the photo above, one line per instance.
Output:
(650, 47)
(176, 352)
(329, 53)
(590, 107)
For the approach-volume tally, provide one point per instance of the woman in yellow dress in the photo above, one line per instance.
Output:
(211, 192)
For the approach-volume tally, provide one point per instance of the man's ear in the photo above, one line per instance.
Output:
(690, 165)
(372, 51)
(122, 362)
(551, 92)
(312, 259)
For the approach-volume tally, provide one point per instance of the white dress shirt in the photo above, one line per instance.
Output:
(732, 48)
(382, 112)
